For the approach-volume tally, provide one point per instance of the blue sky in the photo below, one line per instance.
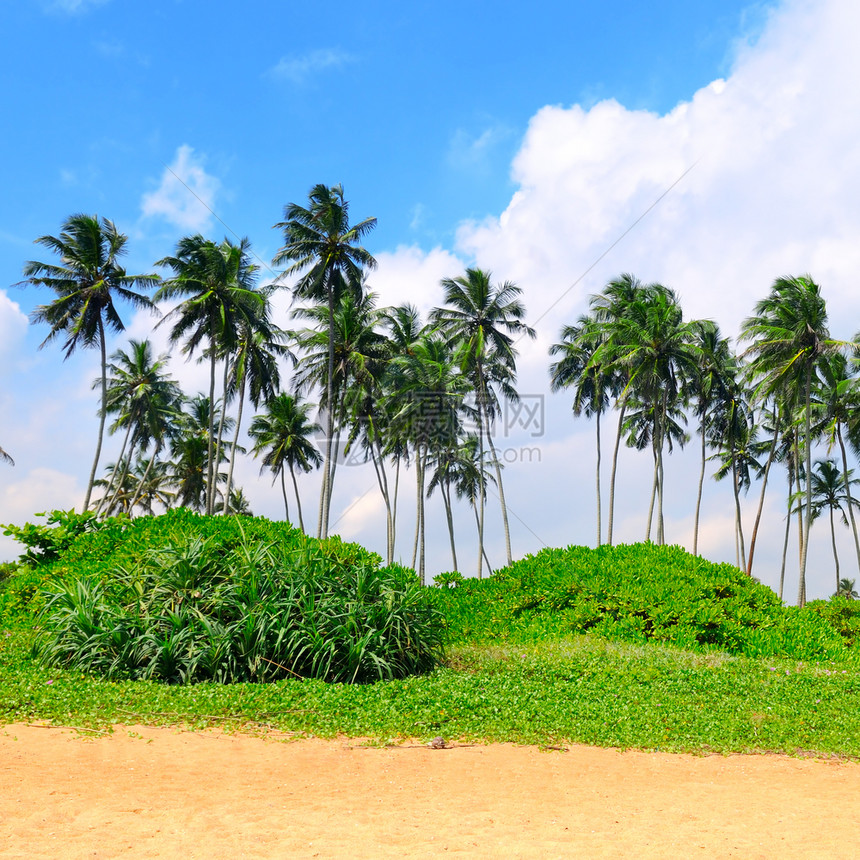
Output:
(526, 140)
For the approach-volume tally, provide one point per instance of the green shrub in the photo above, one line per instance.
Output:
(636, 593)
(184, 598)
(46, 542)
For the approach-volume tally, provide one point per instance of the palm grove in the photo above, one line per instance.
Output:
(380, 385)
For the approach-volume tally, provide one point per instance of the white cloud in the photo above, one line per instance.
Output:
(412, 275)
(186, 196)
(773, 189)
(40, 489)
(13, 328)
(299, 69)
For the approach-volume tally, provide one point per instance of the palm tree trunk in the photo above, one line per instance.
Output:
(234, 446)
(614, 469)
(394, 507)
(739, 530)
(417, 511)
(482, 491)
(770, 456)
(835, 554)
(807, 519)
(113, 474)
(660, 411)
(785, 541)
(382, 482)
(703, 430)
(210, 443)
(498, 470)
(219, 439)
(102, 415)
(446, 498)
(422, 459)
(597, 478)
(334, 460)
(653, 493)
(478, 524)
(298, 498)
(284, 494)
(845, 481)
(325, 492)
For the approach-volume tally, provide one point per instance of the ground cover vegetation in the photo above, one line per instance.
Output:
(642, 646)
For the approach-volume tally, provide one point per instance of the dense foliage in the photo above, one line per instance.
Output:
(183, 598)
(636, 593)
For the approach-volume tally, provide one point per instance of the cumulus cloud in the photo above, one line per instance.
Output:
(774, 173)
(186, 194)
(409, 274)
(297, 69)
(13, 328)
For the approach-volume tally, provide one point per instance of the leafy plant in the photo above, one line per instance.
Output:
(229, 606)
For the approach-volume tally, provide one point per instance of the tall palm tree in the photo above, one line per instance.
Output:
(253, 366)
(190, 449)
(431, 389)
(789, 341)
(87, 281)
(282, 434)
(590, 380)
(606, 308)
(323, 248)
(216, 283)
(658, 352)
(481, 319)
(359, 352)
(717, 373)
(145, 400)
(829, 492)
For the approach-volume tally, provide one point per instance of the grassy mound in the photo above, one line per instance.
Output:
(185, 598)
(636, 593)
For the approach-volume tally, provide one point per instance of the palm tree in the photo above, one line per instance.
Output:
(658, 353)
(830, 492)
(846, 589)
(216, 283)
(87, 281)
(590, 380)
(607, 308)
(6, 457)
(282, 434)
(430, 392)
(717, 372)
(323, 248)
(480, 320)
(789, 341)
(190, 449)
(253, 366)
(359, 351)
(145, 400)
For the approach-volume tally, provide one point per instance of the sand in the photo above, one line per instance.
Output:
(168, 793)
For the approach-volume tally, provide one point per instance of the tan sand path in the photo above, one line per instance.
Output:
(145, 792)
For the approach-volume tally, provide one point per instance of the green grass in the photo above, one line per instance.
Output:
(636, 647)
(579, 689)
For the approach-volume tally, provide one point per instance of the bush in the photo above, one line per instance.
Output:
(637, 593)
(184, 598)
